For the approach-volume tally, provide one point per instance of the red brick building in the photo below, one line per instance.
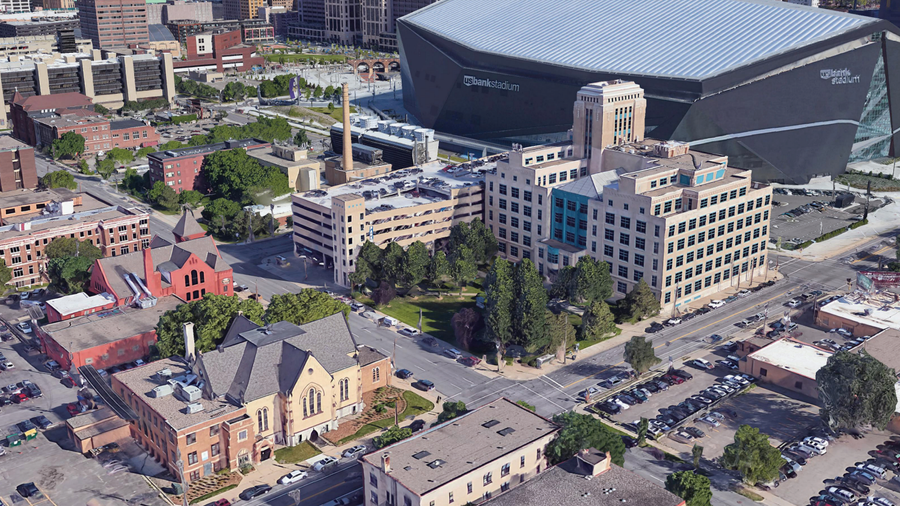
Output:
(104, 339)
(187, 228)
(77, 304)
(23, 111)
(182, 168)
(188, 269)
(31, 220)
(218, 51)
(113, 23)
(17, 169)
(99, 133)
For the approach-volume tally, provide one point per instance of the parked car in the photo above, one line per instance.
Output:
(700, 363)
(743, 293)
(26, 425)
(716, 304)
(453, 353)
(430, 341)
(408, 332)
(25, 327)
(42, 421)
(222, 502)
(354, 451)
(846, 334)
(880, 501)
(424, 384)
(694, 431)
(842, 494)
(356, 306)
(872, 469)
(673, 321)
(727, 364)
(324, 463)
(404, 374)
(28, 490)
(256, 491)
(629, 442)
(793, 303)
(710, 421)
(681, 373)
(19, 398)
(416, 425)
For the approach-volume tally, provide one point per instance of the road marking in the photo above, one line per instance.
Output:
(492, 394)
(542, 397)
(751, 308)
(552, 382)
(871, 254)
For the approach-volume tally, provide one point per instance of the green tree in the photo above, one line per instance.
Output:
(68, 275)
(693, 488)
(59, 179)
(63, 247)
(417, 260)
(69, 144)
(530, 314)
(640, 302)
(753, 456)
(144, 151)
(99, 109)
(462, 268)
(475, 236)
(452, 410)
(170, 146)
(163, 195)
(233, 91)
(224, 208)
(640, 355)
(643, 427)
(393, 268)
(120, 155)
(563, 285)
(580, 432)
(318, 92)
(697, 454)
(391, 436)
(592, 280)
(438, 269)
(190, 197)
(370, 256)
(211, 316)
(5, 276)
(133, 181)
(105, 167)
(559, 332)
(83, 167)
(597, 321)
(303, 307)
(384, 294)
(856, 390)
(233, 175)
(198, 140)
(301, 139)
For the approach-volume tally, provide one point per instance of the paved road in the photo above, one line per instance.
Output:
(316, 489)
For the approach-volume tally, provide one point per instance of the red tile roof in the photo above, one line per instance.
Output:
(61, 100)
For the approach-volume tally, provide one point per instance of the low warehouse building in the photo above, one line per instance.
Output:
(96, 428)
(788, 364)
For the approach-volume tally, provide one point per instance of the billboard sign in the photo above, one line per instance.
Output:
(292, 87)
(882, 279)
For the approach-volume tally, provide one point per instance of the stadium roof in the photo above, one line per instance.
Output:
(674, 38)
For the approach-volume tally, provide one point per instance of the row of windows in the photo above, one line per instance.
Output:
(710, 280)
(711, 264)
(699, 238)
(693, 223)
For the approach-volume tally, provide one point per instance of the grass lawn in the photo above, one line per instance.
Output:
(861, 181)
(436, 313)
(415, 405)
(294, 454)
(337, 113)
(281, 58)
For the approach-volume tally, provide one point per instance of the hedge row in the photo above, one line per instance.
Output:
(833, 233)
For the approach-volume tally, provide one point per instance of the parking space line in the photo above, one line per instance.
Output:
(686, 335)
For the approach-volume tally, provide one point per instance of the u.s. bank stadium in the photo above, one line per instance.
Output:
(786, 90)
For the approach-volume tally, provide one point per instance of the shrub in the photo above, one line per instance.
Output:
(858, 224)
(245, 470)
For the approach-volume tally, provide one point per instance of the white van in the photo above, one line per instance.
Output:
(390, 322)
(877, 471)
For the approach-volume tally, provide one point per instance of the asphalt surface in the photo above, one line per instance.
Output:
(314, 490)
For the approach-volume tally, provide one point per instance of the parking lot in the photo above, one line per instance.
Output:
(812, 215)
(49, 460)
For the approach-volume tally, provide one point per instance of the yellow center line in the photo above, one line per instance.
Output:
(871, 254)
(681, 337)
(321, 492)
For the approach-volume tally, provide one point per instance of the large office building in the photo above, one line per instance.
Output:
(684, 221)
(788, 91)
(175, 10)
(112, 23)
(218, 50)
(405, 206)
(368, 23)
(242, 9)
(39, 27)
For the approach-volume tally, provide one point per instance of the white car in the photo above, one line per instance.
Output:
(324, 463)
(815, 440)
(793, 303)
(24, 327)
(710, 421)
(7, 365)
(716, 304)
(408, 332)
(792, 463)
(881, 501)
(842, 493)
(702, 364)
(674, 321)
(736, 379)
(743, 293)
(292, 477)
(620, 403)
(352, 452)
(846, 334)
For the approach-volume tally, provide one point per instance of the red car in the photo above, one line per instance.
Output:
(675, 379)
(19, 398)
(68, 382)
(470, 361)
(73, 409)
(222, 502)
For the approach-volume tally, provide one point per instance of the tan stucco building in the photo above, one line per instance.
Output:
(789, 364)
(485, 452)
(303, 174)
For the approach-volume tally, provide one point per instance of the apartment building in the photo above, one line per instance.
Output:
(219, 50)
(22, 46)
(109, 81)
(182, 169)
(485, 452)
(34, 28)
(110, 23)
(100, 134)
(31, 220)
(174, 10)
(17, 168)
(279, 384)
(369, 23)
(416, 204)
(684, 221)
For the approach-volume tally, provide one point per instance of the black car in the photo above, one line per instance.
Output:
(651, 386)
(694, 431)
(404, 374)
(34, 392)
(28, 490)
(42, 422)
(681, 372)
(26, 425)
(856, 486)
(630, 442)
(256, 491)
(609, 407)
(416, 426)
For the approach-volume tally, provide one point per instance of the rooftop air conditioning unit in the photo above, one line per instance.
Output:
(162, 391)
(164, 373)
(195, 407)
(191, 394)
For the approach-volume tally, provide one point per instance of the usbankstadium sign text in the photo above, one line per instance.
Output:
(490, 83)
(839, 76)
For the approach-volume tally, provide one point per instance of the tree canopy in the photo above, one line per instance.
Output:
(69, 274)
(475, 236)
(163, 195)
(597, 321)
(452, 410)
(211, 316)
(59, 179)
(62, 247)
(234, 175)
(753, 456)
(392, 435)
(640, 355)
(579, 432)
(69, 144)
(693, 488)
(303, 307)
(856, 390)
(516, 305)
(5, 276)
(499, 289)
(640, 302)
(120, 155)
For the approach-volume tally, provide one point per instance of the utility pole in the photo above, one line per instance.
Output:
(566, 339)
(184, 486)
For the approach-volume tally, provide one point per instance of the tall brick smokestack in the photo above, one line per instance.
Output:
(348, 150)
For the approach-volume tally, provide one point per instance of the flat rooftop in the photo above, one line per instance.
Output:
(86, 332)
(795, 356)
(79, 302)
(142, 380)
(875, 311)
(8, 143)
(567, 485)
(265, 155)
(70, 120)
(170, 154)
(92, 210)
(434, 184)
(442, 454)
